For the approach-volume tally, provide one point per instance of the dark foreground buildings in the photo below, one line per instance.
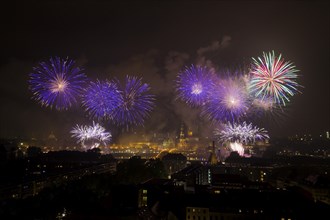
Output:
(227, 197)
(78, 185)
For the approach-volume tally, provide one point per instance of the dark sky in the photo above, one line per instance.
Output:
(155, 40)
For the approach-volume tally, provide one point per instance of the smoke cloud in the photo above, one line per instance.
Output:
(215, 46)
(160, 71)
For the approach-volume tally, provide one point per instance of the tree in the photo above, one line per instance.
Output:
(33, 151)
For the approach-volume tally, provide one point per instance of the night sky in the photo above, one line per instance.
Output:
(155, 40)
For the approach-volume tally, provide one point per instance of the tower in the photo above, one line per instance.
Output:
(213, 158)
(182, 138)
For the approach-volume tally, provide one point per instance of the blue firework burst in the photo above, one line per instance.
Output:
(57, 83)
(136, 102)
(101, 98)
(194, 84)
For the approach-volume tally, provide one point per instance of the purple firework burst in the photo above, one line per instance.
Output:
(194, 84)
(57, 83)
(229, 101)
(101, 98)
(135, 104)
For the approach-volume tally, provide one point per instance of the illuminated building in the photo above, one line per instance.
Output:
(213, 158)
(143, 197)
(193, 141)
(182, 139)
(168, 143)
(190, 133)
(189, 177)
(197, 213)
(153, 190)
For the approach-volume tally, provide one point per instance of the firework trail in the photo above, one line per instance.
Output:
(56, 83)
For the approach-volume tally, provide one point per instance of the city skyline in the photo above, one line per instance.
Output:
(156, 41)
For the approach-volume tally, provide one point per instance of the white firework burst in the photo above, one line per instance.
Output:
(242, 133)
(91, 136)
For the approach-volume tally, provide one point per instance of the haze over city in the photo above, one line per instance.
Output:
(155, 41)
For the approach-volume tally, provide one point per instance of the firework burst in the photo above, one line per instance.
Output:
(101, 98)
(229, 101)
(91, 136)
(194, 84)
(272, 77)
(241, 133)
(135, 104)
(56, 83)
(238, 147)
